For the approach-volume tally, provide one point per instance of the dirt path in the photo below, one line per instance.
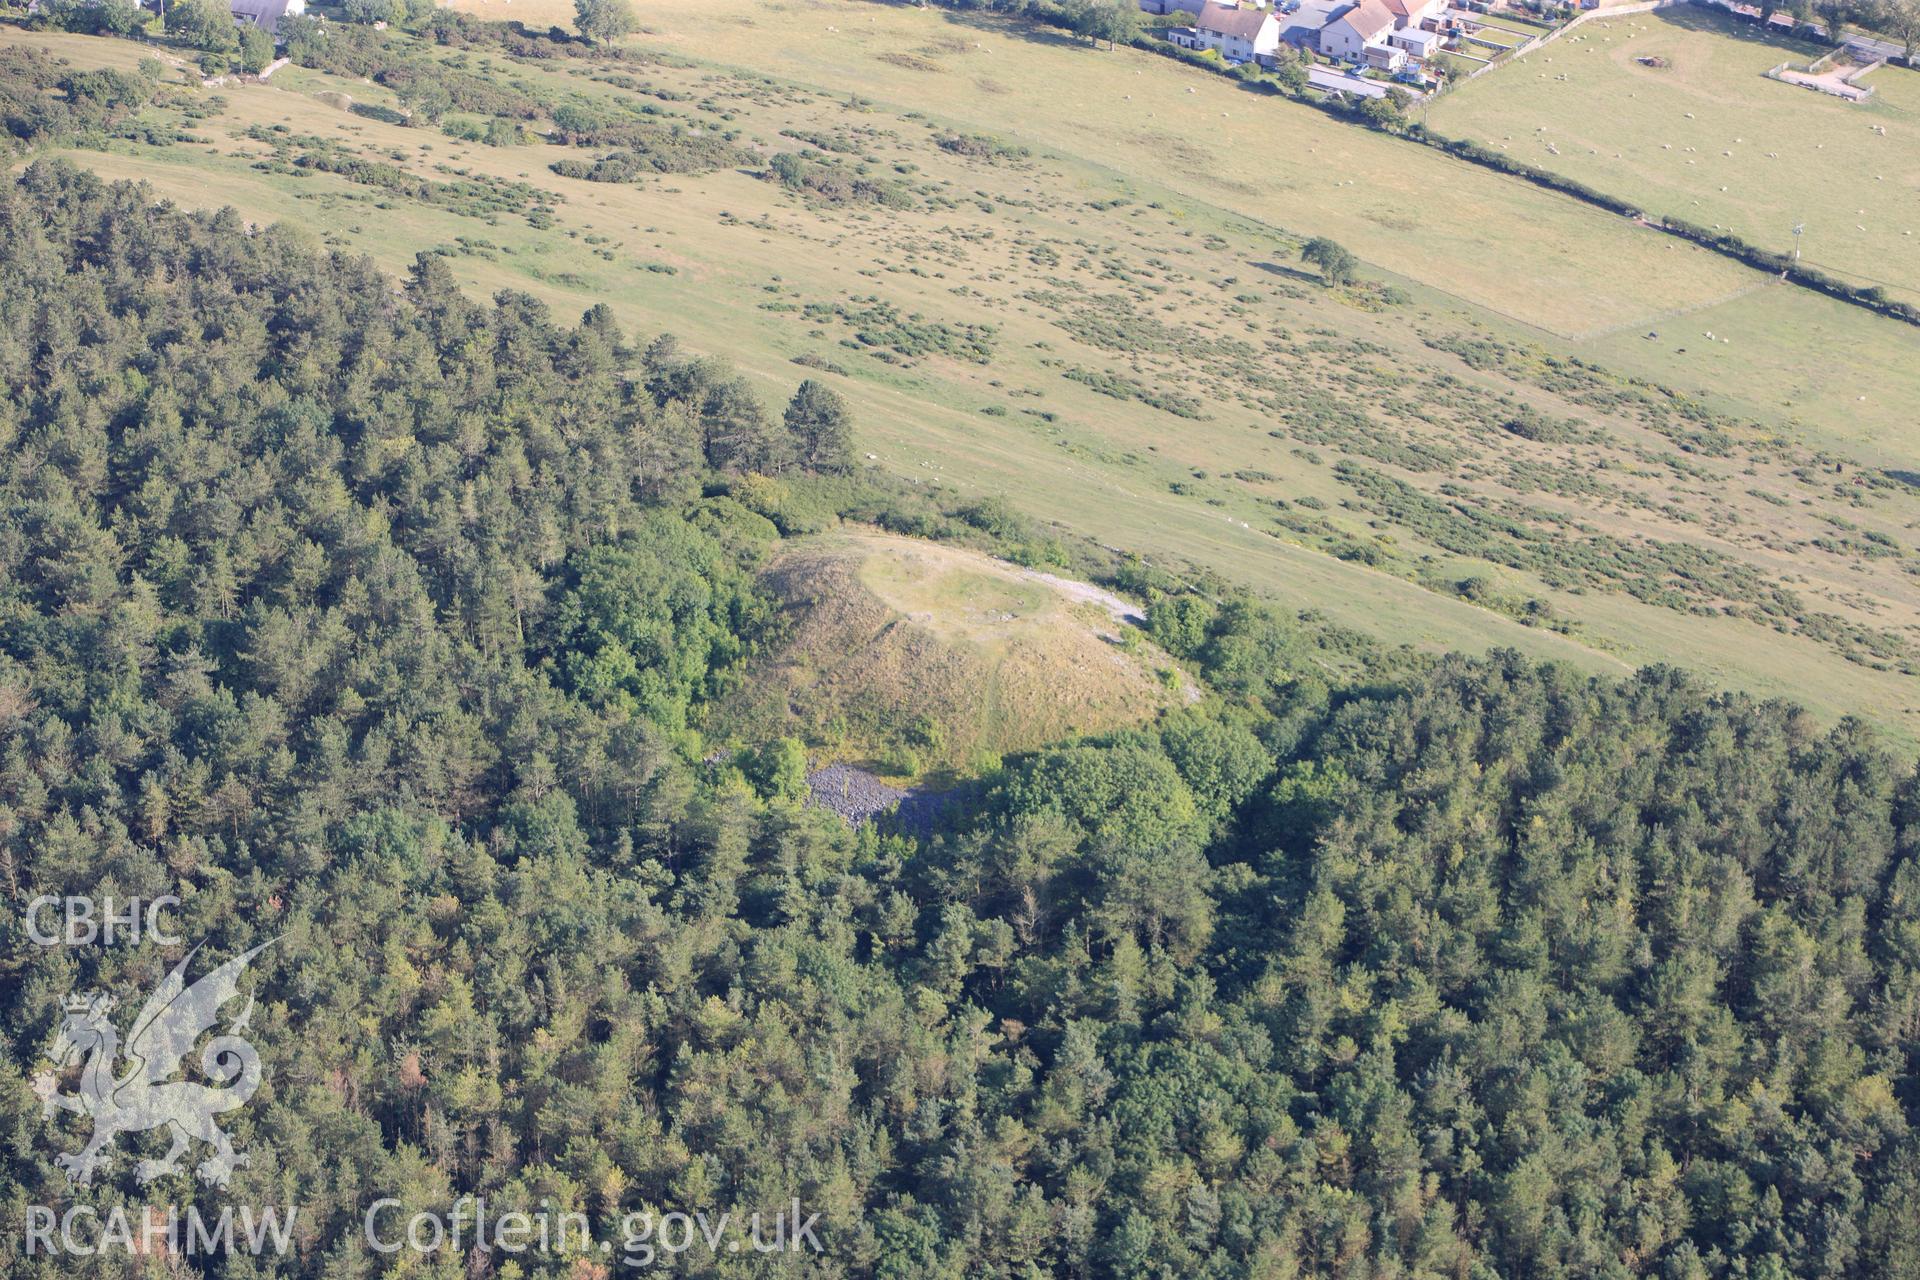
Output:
(1121, 611)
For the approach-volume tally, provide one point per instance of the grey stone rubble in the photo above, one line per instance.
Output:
(854, 794)
(859, 797)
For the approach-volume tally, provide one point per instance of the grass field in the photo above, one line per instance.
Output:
(1709, 138)
(1492, 39)
(1162, 377)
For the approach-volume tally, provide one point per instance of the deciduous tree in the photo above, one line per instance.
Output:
(604, 21)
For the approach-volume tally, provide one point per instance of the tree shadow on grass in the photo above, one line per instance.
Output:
(1287, 272)
(1721, 22)
(1015, 28)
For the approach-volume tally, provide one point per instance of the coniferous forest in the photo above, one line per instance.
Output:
(384, 621)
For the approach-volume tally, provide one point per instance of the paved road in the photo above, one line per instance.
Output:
(1872, 47)
(1328, 79)
(1864, 47)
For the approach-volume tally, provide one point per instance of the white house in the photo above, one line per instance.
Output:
(1241, 35)
(1348, 35)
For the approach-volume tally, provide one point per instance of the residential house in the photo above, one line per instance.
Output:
(1347, 36)
(1241, 35)
(265, 14)
(1412, 15)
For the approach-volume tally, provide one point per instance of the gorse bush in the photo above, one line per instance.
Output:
(32, 116)
(645, 146)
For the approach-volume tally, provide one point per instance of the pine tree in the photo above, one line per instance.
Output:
(822, 428)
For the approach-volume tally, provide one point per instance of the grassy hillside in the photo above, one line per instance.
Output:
(908, 654)
(1102, 319)
(1704, 135)
(1534, 265)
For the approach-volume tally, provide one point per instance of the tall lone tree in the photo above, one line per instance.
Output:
(1335, 263)
(604, 20)
(822, 428)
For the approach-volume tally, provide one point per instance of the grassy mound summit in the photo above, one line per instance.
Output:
(912, 655)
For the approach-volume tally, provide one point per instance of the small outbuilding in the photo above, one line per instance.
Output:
(1417, 43)
(1384, 57)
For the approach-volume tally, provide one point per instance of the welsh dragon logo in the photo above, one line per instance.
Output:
(142, 1096)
